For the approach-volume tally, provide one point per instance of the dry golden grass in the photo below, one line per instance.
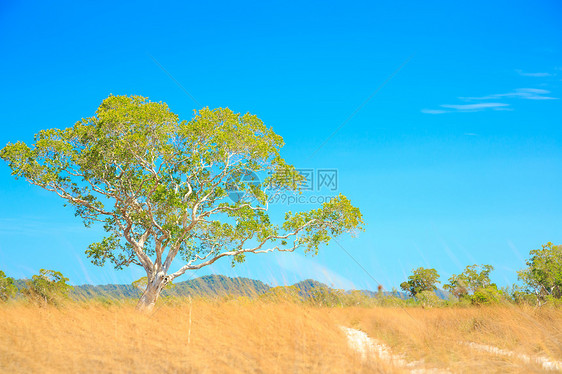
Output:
(435, 335)
(243, 336)
(226, 337)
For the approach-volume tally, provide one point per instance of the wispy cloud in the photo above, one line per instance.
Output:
(475, 107)
(499, 101)
(465, 108)
(519, 93)
(484, 104)
(538, 75)
(434, 111)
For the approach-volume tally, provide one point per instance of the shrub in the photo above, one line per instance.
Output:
(487, 295)
(49, 287)
(428, 299)
(7, 287)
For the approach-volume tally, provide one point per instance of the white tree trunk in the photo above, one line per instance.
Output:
(151, 293)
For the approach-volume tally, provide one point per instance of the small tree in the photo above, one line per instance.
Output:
(49, 287)
(428, 298)
(520, 295)
(7, 287)
(487, 295)
(543, 275)
(160, 187)
(421, 280)
(473, 278)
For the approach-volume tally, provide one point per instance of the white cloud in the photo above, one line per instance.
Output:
(465, 108)
(434, 111)
(533, 90)
(474, 107)
(520, 93)
(538, 75)
(498, 100)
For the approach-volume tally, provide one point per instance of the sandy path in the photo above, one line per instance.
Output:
(369, 347)
(545, 362)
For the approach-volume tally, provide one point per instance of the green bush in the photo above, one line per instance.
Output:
(487, 295)
(49, 287)
(428, 299)
(7, 287)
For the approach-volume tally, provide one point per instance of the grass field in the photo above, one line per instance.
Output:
(250, 336)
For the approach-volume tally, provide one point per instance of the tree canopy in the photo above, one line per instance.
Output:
(473, 278)
(159, 186)
(48, 287)
(421, 280)
(543, 274)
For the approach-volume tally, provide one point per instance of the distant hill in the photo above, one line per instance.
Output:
(207, 285)
(216, 285)
(307, 285)
(398, 294)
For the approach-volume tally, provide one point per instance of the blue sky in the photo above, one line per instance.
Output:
(456, 159)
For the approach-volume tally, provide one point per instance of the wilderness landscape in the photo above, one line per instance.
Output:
(215, 324)
(280, 187)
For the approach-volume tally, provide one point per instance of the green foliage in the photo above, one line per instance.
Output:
(49, 287)
(428, 298)
(159, 186)
(487, 295)
(7, 287)
(552, 301)
(334, 218)
(519, 295)
(141, 284)
(543, 275)
(421, 280)
(473, 278)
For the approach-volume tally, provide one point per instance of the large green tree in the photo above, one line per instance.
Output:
(160, 187)
(473, 278)
(421, 280)
(543, 274)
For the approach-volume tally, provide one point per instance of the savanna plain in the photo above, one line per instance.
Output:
(244, 335)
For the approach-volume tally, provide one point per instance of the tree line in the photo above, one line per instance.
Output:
(47, 287)
(541, 281)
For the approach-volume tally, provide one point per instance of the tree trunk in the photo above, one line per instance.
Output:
(151, 293)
